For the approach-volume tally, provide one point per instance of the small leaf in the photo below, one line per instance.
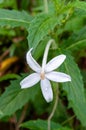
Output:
(14, 18)
(42, 125)
(74, 89)
(9, 76)
(14, 98)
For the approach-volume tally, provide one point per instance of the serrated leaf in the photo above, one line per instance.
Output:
(14, 18)
(40, 27)
(42, 125)
(74, 89)
(14, 98)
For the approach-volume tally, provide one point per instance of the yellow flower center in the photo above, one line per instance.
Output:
(42, 75)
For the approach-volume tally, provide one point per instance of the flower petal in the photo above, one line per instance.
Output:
(58, 76)
(32, 63)
(47, 90)
(30, 80)
(55, 63)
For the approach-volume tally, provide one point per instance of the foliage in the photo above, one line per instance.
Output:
(75, 90)
(33, 28)
(42, 125)
(13, 98)
(14, 18)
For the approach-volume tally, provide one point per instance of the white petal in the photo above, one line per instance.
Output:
(58, 76)
(32, 63)
(47, 90)
(30, 80)
(55, 63)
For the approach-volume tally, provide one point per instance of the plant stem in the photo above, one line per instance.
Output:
(46, 6)
(53, 110)
(22, 117)
(4, 54)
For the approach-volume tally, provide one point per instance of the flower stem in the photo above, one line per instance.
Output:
(46, 6)
(46, 53)
(53, 110)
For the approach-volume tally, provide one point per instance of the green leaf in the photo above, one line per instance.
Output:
(80, 5)
(14, 18)
(40, 27)
(42, 125)
(78, 45)
(77, 41)
(14, 98)
(74, 89)
(9, 76)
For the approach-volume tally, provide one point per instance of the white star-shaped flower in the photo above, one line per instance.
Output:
(45, 74)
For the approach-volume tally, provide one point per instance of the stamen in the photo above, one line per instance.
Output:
(42, 75)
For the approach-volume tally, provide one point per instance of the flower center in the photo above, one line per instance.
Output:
(42, 75)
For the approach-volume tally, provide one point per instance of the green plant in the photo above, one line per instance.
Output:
(63, 21)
